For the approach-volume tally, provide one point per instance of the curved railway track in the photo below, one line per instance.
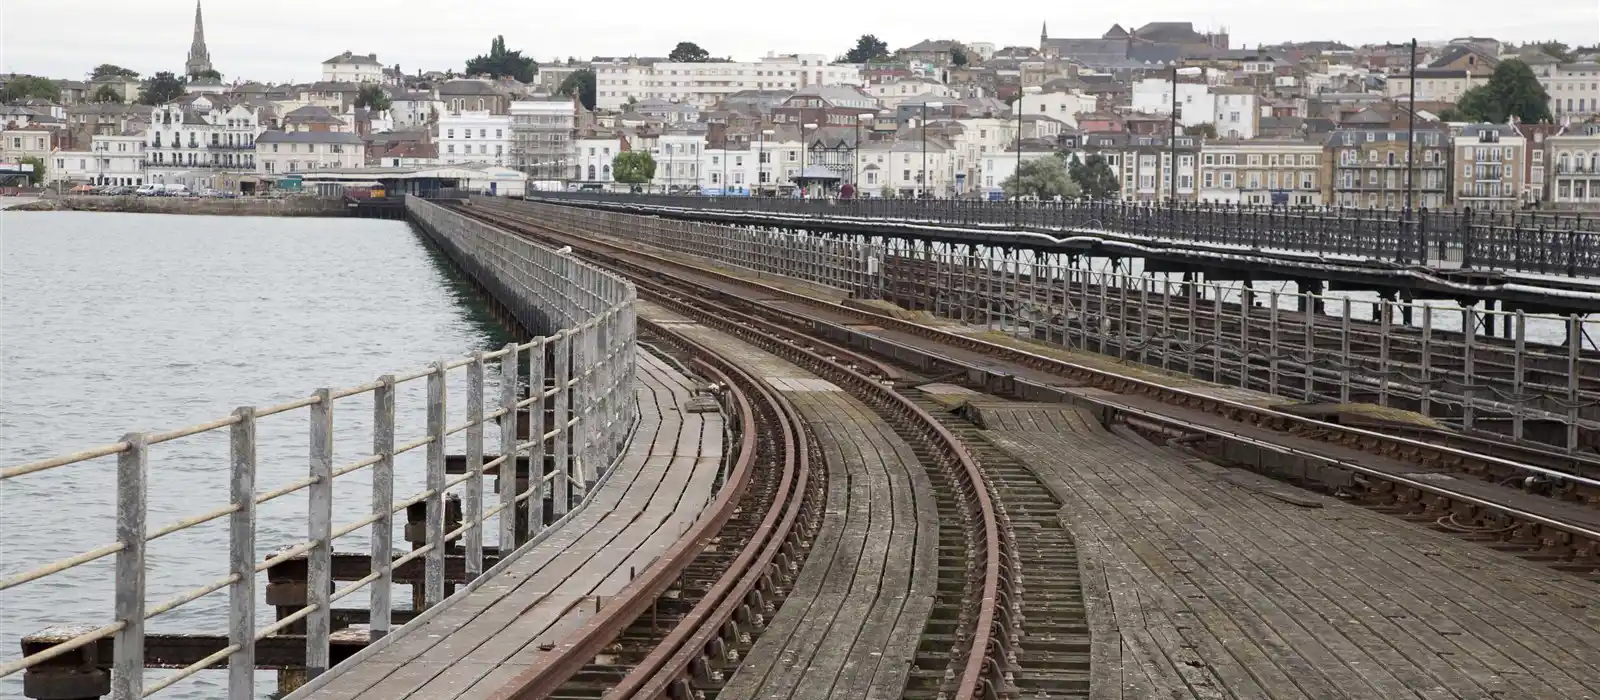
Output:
(1548, 501)
(631, 649)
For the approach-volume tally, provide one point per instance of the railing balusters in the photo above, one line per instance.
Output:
(472, 507)
(561, 348)
(536, 431)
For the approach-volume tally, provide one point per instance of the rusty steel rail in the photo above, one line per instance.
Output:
(570, 655)
(672, 659)
(980, 661)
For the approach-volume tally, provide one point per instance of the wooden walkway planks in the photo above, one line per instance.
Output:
(1199, 587)
(851, 625)
(657, 490)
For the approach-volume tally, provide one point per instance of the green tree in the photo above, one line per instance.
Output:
(371, 96)
(161, 88)
(1206, 130)
(500, 63)
(106, 93)
(111, 70)
(1512, 91)
(581, 83)
(1094, 177)
(867, 49)
(1041, 178)
(37, 176)
(24, 87)
(633, 167)
(1556, 50)
(958, 57)
(688, 52)
(208, 73)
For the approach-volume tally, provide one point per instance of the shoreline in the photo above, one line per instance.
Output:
(247, 206)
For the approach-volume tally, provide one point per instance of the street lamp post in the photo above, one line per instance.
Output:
(761, 161)
(803, 148)
(923, 189)
(1172, 139)
(1017, 176)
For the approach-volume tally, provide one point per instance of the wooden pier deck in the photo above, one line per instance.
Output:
(851, 625)
(479, 642)
(1204, 582)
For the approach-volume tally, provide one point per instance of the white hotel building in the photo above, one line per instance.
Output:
(704, 84)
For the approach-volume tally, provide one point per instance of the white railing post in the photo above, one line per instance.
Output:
(319, 526)
(242, 556)
(536, 430)
(509, 365)
(127, 666)
(472, 505)
(433, 561)
(381, 601)
(561, 347)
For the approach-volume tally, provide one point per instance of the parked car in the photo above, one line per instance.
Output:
(148, 191)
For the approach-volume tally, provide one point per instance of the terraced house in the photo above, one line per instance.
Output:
(1367, 168)
(1262, 171)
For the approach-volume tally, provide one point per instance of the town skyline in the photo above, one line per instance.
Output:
(152, 37)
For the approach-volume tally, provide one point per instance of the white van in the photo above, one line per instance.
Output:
(176, 190)
(148, 190)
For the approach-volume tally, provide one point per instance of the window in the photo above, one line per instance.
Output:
(450, 148)
(1210, 159)
(498, 134)
(450, 133)
(1206, 180)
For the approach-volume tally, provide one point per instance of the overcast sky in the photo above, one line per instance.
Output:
(288, 41)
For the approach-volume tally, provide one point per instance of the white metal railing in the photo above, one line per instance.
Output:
(579, 397)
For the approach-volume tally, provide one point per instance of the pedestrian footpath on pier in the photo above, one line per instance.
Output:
(476, 644)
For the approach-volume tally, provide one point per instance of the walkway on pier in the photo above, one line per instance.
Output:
(476, 644)
(1206, 582)
(851, 625)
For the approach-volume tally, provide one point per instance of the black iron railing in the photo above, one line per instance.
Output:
(1535, 242)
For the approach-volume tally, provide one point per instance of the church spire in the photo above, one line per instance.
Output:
(199, 59)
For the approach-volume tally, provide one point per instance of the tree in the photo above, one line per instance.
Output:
(867, 49)
(688, 52)
(1094, 177)
(161, 88)
(633, 167)
(581, 83)
(1556, 50)
(371, 96)
(24, 87)
(208, 73)
(1206, 130)
(37, 176)
(502, 63)
(1041, 178)
(111, 70)
(1512, 91)
(958, 57)
(106, 93)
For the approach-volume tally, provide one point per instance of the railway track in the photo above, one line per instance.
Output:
(1547, 509)
(701, 623)
(1007, 638)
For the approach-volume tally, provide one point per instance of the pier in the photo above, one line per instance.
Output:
(754, 448)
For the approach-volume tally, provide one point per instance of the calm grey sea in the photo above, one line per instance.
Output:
(112, 323)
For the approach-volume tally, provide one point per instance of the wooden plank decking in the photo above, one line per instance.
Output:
(851, 625)
(1198, 585)
(655, 493)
